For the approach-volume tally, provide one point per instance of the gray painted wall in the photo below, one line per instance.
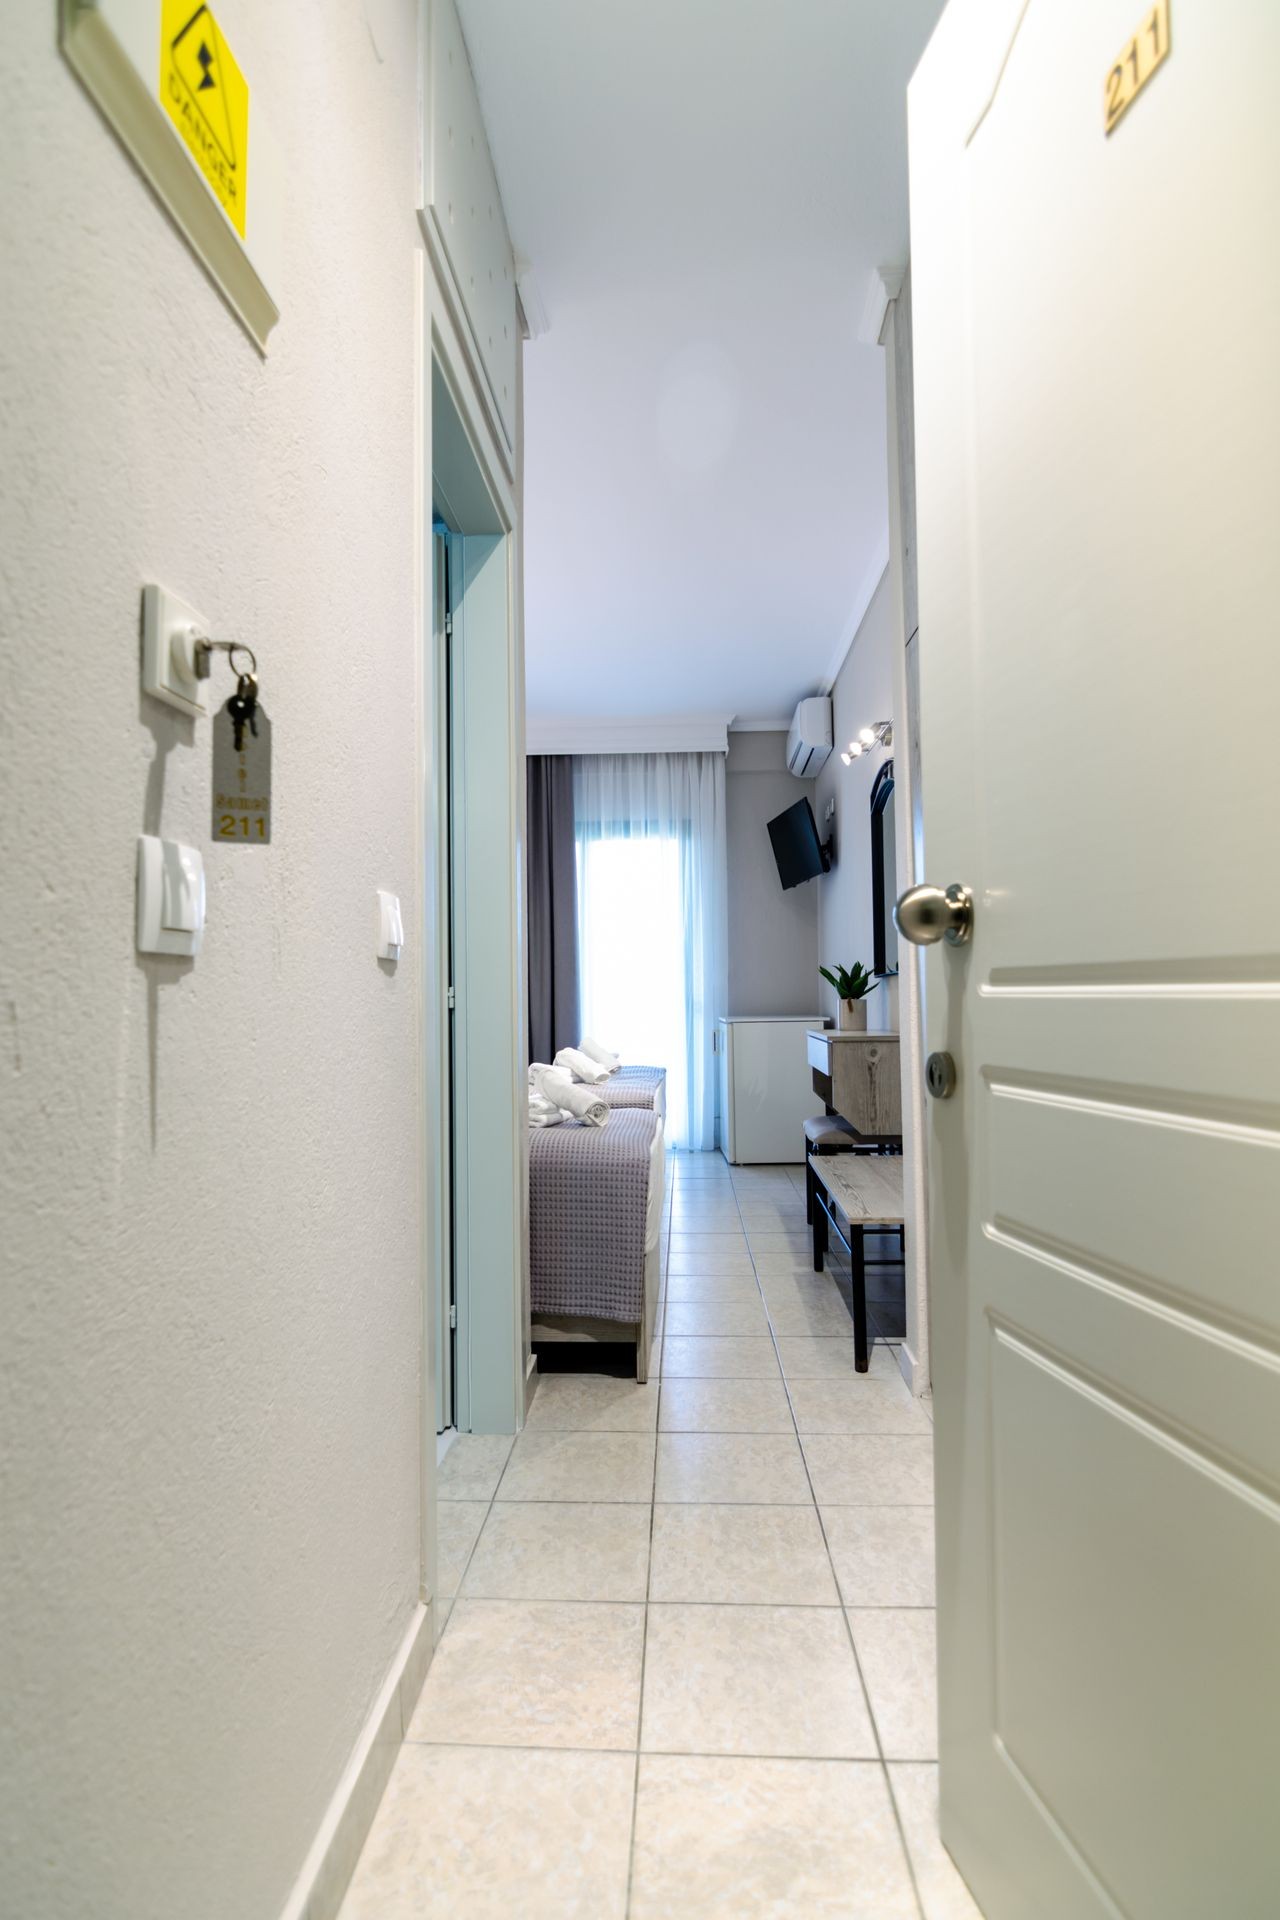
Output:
(863, 694)
(773, 935)
(209, 1172)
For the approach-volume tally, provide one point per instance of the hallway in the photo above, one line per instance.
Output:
(688, 1674)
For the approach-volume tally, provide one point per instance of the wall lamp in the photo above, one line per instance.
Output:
(880, 735)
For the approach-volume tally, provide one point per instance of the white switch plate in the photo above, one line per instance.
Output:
(169, 627)
(170, 897)
(390, 926)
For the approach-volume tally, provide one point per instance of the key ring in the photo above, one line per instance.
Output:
(204, 647)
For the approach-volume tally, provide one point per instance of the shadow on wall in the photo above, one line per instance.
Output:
(168, 729)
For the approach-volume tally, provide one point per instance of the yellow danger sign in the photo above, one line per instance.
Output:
(207, 99)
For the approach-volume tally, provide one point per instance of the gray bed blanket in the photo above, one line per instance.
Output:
(630, 1086)
(588, 1195)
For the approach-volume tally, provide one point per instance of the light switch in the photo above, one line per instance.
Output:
(170, 897)
(390, 926)
(181, 888)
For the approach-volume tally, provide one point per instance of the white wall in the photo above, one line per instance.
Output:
(863, 693)
(209, 1173)
(773, 935)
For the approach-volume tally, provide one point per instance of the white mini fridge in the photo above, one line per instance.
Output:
(766, 1087)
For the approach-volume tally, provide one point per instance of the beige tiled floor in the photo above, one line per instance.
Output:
(689, 1670)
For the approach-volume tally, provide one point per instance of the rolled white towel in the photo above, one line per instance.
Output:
(557, 1087)
(543, 1112)
(581, 1066)
(594, 1051)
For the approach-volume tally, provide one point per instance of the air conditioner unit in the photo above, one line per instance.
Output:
(809, 741)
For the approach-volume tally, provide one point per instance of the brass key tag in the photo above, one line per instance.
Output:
(241, 778)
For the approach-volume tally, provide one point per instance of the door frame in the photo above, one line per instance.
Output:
(437, 1002)
(494, 967)
(895, 338)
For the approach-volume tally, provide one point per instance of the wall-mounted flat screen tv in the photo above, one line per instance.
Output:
(796, 846)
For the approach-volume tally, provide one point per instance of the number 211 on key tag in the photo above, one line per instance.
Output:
(242, 769)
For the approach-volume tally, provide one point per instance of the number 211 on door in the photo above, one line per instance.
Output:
(1135, 66)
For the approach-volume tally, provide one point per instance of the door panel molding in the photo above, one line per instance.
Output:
(1117, 1713)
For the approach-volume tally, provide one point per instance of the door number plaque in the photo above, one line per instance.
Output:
(1147, 50)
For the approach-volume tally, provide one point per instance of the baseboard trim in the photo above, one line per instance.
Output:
(326, 1872)
(912, 1372)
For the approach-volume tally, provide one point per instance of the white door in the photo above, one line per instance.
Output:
(1098, 444)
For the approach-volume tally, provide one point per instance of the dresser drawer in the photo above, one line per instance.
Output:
(858, 1075)
(819, 1045)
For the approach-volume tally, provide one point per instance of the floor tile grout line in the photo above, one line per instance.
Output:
(644, 1643)
(674, 1753)
(853, 1648)
(870, 1705)
(653, 1503)
(466, 1566)
(736, 1380)
(878, 1759)
(808, 1606)
(876, 1506)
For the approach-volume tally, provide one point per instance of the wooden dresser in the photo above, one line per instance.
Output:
(858, 1074)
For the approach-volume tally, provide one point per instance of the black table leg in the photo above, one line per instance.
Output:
(819, 1231)
(858, 1267)
(809, 1184)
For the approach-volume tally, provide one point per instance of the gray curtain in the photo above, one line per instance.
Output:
(553, 906)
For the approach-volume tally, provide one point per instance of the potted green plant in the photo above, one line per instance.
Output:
(852, 985)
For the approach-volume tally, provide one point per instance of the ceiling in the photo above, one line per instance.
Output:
(702, 189)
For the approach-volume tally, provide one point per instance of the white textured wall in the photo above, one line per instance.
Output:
(209, 1398)
(773, 934)
(863, 694)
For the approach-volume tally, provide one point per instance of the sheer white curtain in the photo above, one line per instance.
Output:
(652, 963)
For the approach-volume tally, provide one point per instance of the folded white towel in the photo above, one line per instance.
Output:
(581, 1066)
(594, 1051)
(558, 1088)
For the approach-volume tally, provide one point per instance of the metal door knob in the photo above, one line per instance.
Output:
(926, 914)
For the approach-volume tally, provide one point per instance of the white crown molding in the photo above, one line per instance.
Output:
(663, 733)
(760, 726)
(866, 594)
(883, 285)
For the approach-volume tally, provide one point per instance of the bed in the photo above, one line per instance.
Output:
(595, 1222)
(635, 1087)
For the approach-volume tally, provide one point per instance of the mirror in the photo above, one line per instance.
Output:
(884, 873)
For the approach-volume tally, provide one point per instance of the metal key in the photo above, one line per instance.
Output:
(243, 707)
